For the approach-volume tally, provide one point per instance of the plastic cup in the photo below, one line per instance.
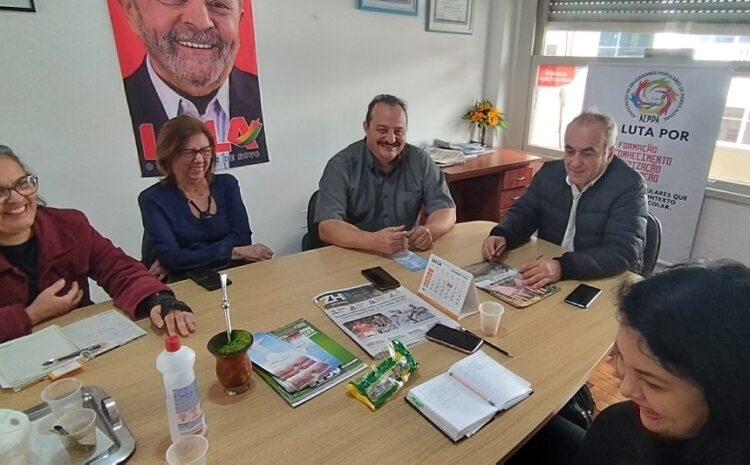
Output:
(63, 396)
(188, 450)
(15, 430)
(81, 427)
(489, 317)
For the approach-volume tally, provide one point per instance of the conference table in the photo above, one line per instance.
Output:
(555, 347)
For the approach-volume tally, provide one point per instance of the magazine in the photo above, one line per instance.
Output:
(372, 317)
(299, 361)
(504, 282)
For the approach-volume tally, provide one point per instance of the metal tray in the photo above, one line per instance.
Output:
(108, 422)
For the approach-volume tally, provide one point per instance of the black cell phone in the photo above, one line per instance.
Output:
(454, 338)
(583, 295)
(207, 278)
(380, 278)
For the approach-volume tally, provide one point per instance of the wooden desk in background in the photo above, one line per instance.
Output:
(486, 186)
(555, 347)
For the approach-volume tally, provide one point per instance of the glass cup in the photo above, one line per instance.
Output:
(80, 425)
(489, 317)
(233, 366)
(188, 450)
(63, 396)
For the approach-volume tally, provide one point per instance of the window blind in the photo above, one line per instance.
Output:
(650, 11)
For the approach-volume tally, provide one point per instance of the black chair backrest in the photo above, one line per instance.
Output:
(312, 238)
(653, 244)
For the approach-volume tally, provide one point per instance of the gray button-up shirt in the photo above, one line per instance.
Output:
(354, 190)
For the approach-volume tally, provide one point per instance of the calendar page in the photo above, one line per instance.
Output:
(448, 287)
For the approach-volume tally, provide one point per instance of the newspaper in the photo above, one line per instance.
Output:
(504, 282)
(372, 317)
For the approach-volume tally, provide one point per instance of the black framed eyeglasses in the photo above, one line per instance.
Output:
(206, 152)
(25, 185)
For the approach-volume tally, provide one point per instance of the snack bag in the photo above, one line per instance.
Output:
(376, 387)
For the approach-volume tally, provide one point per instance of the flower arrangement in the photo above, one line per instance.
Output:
(485, 114)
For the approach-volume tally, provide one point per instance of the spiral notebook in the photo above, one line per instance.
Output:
(21, 359)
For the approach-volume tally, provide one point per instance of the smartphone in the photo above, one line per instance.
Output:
(454, 338)
(380, 278)
(207, 278)
(583, 295)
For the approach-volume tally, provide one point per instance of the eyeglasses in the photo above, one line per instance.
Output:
(206, 152)
(25, 185)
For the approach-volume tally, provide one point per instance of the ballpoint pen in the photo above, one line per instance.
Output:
(471, 388)
(85, 351)
(502, 351)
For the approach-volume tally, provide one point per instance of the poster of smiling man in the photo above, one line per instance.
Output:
(193, 57)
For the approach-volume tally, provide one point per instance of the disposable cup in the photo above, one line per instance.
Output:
(188, 450)
(489, 317)
(81, 427)
(63, 396)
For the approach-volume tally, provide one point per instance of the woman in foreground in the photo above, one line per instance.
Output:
(682, 355)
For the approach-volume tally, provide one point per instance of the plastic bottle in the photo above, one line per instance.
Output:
(184, 409)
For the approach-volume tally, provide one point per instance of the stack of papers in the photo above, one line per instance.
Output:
(445, 157)
(467, 148)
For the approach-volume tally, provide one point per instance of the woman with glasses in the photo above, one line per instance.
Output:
(47, 255)
(193, 218)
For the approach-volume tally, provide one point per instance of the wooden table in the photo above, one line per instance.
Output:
(556, 346)
(486, 186)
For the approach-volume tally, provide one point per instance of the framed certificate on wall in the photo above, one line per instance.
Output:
(456, 16)
(17, 5)
(400, 7)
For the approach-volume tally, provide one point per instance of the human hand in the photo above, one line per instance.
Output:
(539, 273)
(389, 240)
(159, 270)
(252, 253)
(493, 246)
(176, 321)
(48, 304)
(419, 238)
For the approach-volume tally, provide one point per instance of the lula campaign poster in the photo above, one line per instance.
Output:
(191, 57)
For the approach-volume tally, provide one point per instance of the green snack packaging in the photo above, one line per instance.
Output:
(376, 387)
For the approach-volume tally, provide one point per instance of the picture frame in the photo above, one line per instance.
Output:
(454, 16)
(18, 5)
(399, 7)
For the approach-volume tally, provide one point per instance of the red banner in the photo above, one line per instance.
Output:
(555, 75)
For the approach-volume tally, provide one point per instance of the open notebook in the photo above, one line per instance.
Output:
(469, 395)
(21, 359)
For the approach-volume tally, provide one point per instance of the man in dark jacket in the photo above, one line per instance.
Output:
(590, 202)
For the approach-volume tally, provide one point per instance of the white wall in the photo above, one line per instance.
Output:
(320, 62)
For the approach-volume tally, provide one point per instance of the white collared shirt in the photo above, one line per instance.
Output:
(570, 232)
(217, 109)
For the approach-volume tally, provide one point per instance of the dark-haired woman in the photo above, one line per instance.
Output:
(47, 255)
(193, 219)
(682, 354)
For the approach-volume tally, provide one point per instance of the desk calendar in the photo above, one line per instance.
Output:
(449, 288)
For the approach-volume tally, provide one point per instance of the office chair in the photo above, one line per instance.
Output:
(311, 239)
(653, 244)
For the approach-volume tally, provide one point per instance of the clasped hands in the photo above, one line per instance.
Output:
(536, 274)
(395, 239)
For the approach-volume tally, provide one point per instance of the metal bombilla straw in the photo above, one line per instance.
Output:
(225, 306)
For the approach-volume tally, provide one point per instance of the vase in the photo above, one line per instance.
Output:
(478, 134)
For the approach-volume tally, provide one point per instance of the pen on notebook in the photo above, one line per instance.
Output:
(502, 351)
(471, 388)
(71, 355)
